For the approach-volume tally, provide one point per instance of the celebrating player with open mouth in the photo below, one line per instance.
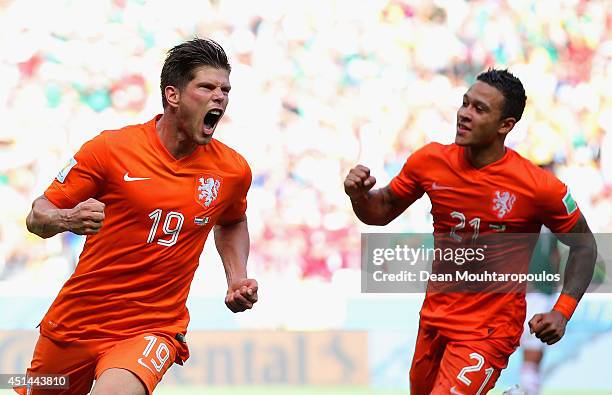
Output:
(480, 186)
(146, 196)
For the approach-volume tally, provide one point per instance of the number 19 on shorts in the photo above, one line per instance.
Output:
(159, 359)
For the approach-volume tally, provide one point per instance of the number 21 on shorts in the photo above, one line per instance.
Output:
(475, 368)
(161, 356)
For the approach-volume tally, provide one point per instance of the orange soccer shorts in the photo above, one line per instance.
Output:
(443, 366)
(147, 356)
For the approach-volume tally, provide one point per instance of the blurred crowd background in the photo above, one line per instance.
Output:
(317, 88)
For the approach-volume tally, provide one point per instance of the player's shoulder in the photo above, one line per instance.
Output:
(526, 169)
(133, 132)
(436, 152)
(229, 156)
(110, 142)
(543, 184)
(436, 149)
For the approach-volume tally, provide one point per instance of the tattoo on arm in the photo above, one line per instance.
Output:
(581, 260)
(394, 206)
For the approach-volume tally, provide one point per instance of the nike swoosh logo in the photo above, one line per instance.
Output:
(437, 187)
(126, 177)
(145, 365)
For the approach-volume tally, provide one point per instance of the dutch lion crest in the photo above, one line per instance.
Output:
(208, 190)
(503, 202)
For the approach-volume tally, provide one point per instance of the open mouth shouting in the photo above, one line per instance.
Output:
(211, 119)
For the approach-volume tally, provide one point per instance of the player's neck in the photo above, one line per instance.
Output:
(480, 157)
(170, 137)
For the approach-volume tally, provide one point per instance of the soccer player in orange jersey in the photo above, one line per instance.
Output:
(479, 186)
(146, 196)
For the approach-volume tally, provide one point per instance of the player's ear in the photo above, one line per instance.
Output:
(173, 95)
(506, 125)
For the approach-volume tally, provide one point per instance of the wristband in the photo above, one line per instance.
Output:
(566, 305)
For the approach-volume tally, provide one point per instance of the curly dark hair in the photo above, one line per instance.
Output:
(184, 58)
(510, 87)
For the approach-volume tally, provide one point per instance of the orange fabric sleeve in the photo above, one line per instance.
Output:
(83, 176)
(557, 208)
(236, 210)
(407, 184)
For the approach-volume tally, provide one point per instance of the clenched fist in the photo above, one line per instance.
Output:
(358, 182)
(86, 217)
(241, 295)
(548, 327)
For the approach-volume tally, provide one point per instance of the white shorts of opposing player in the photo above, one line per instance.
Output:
(536, 303)
(514, 390)
(530, 371)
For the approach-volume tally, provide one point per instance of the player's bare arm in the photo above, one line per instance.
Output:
(581, 259)
(232, 241)
(550, 327)
(46, 220)
(372, 207)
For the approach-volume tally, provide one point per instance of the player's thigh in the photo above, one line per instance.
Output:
(75, 360)
(146, 356)
(471, 368)
(114, 381)
(428, 353)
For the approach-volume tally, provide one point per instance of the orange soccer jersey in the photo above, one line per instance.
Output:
(134, 276)
(510, 195)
